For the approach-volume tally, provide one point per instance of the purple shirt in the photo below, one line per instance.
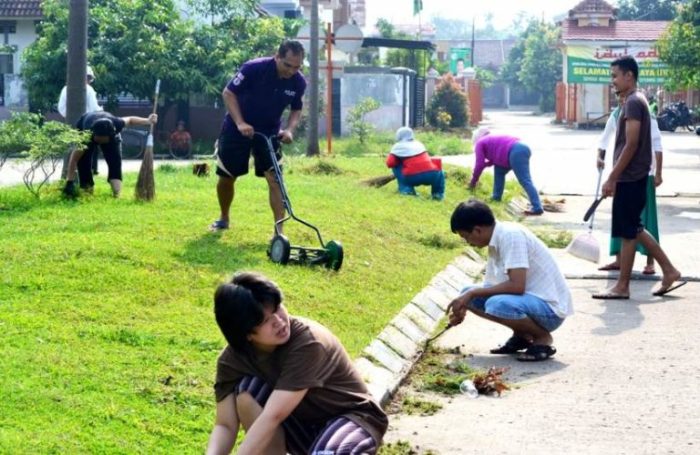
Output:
(491, 149)
(263, 96)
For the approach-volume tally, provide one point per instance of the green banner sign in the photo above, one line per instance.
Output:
(590, 65)
(460, 58)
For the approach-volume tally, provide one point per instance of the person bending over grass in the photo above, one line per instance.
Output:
(504, 153)
(523, 290)
(287, 380)
(106, 135)
(412, 165)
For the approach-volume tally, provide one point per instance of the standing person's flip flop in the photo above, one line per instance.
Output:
(610, 296)
(609, 267)
(672, 287)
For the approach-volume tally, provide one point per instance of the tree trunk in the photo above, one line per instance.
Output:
(312, 148)
(76, 66)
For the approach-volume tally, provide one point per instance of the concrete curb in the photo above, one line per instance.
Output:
(388, 359)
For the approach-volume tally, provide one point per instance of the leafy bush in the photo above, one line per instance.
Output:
(47, 148)
(450, 99)
(42, 144)
(15, 134)
(359, 128)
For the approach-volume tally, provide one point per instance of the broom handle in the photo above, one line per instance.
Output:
(597, 193)
(149, 139)
(155, 103)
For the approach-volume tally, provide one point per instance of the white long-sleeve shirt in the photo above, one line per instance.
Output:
(611, 128)
(90, 101)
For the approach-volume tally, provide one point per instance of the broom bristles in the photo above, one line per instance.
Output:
(377, 182)
(146, 185)
(586, 247)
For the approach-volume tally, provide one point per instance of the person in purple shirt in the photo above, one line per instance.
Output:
(504, 153)
(255, 100)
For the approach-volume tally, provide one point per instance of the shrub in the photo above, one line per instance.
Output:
(449, 98)
(16, 134)
(48, 145)
(359, 128)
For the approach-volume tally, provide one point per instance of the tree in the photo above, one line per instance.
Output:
(535, 63)
(405, 58)
(448, 28)
(76, 74)
(647, 10)
(135, 42)
(448, 108)
(542, 64)
(360, 128)
(679, 47)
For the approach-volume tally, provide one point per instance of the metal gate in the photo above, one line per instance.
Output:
(418, 102)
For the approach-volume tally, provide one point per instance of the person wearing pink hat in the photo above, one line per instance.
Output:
(504, 153)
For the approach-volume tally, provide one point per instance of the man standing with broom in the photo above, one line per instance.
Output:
(627, 183)
(106, 129)
(255, 99)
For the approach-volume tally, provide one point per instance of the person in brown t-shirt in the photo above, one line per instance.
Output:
(628, 180)
(287, 380)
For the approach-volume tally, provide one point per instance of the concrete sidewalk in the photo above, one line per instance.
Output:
(626, 375)
(624, 381)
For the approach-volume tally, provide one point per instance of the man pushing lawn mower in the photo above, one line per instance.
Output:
(255, 99)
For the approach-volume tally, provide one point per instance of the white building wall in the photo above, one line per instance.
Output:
(26, 35)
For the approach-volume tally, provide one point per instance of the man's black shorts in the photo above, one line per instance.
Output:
(234, 155)
(628, 203)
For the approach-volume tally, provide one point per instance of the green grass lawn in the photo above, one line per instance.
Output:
(108, 340)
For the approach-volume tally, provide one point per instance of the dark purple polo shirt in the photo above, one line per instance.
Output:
(263, 96)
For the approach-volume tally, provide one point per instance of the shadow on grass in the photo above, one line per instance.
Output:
(209, 250)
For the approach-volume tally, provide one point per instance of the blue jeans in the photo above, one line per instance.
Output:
(513, 306)
(407, 183)
(519, 160)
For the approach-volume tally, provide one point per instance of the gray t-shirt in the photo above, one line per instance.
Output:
(635, 108)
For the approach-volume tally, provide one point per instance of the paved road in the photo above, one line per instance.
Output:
(563, 159)
(626, 376)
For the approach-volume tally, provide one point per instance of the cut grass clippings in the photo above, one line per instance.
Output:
(108, 337)
(403, 448)
(553, 238)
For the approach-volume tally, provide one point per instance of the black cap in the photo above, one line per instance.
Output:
(103, 127)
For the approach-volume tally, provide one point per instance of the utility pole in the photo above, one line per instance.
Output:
(76, 65)
(312, 133)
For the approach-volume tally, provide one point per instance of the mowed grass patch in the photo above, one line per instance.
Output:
(106, 325)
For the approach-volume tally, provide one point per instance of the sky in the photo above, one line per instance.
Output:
(504, 11)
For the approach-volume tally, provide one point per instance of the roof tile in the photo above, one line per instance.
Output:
(617, 31)
(20, 8)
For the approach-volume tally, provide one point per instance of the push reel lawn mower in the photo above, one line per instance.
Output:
(281, 250)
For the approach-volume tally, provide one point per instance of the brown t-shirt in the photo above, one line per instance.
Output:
(635, 108)
(312, 359)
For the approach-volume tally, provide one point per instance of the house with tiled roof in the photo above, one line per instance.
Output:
(18, 20)
(591, 38)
